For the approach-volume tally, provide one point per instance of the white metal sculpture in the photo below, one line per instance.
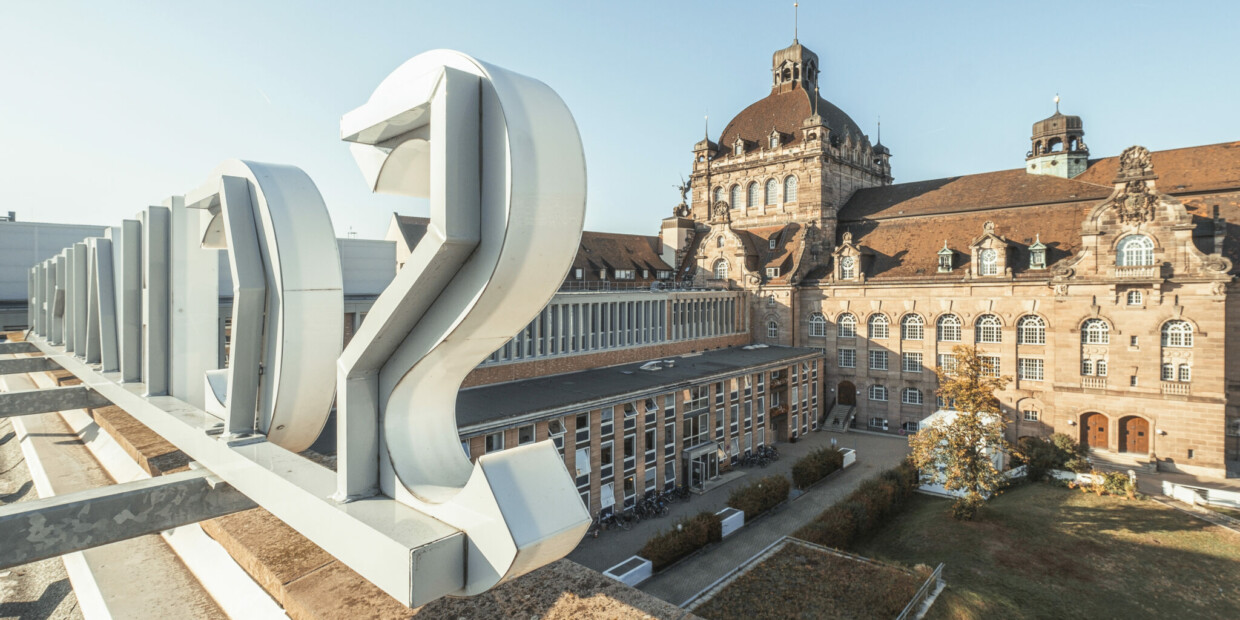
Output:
(499, 157)
(288, 304)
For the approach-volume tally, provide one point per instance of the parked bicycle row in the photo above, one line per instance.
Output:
(761, 457)
(654, 504)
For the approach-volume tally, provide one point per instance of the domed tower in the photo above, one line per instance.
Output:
(1058, 146)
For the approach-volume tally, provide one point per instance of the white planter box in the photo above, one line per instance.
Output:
(631, 571)
(732, 519)
(850, 457)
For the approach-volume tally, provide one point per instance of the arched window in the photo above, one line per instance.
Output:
(1177, 334)
(736, 197)
(1087, 367)
(988, 329)
(990, 262)
(912, 327)
(718, 194)
(1100, 367)
(1168, 372)
(1031, 330)
(1134, 298)
(878, 392)
(848, 268)
(772, 192)
(1095, 331)
(772, 329)
(949, 328)
(774, 141)
(1134, 251)
(1186, 373)
(753, 196)
(721, 269)
(719, 241)
(847, 325)
(817, 325)
(790, 189)
(878, 326)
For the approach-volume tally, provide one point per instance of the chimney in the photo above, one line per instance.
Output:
(675, 234)
(13, 215)
(1220, 232)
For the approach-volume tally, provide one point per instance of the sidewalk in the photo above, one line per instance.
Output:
(874, 453)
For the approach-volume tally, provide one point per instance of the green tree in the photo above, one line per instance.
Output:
(961, 451)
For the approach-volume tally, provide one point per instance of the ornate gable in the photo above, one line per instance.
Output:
(1139, 234)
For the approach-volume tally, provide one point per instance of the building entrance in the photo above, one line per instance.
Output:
(1134, 435)
(702, 463)
(1094, 430)
(847, 393)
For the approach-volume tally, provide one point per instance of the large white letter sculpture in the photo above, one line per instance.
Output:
(499, 157)
(287, 306)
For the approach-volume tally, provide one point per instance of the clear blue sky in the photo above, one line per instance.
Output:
(106, 107)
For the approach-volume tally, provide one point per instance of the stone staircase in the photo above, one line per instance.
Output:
(839, 418)
(1115, 461)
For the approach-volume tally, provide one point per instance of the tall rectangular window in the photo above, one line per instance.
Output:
(847, 358)
(1029, 369)
(911, 362)
(990, 365)
(878, 360)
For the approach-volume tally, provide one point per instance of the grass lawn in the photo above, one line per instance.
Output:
(1231, 512)
(805, 582)
(1040, 551)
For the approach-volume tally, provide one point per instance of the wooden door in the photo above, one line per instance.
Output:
(1135, 436)
(847, 393)
(1094, 430)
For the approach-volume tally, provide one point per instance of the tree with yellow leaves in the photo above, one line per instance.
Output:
(960, 452)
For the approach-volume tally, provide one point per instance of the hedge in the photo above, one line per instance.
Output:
(1040, 456)
(864, 510)
(688, 535)
(760, 495)
(816, 465)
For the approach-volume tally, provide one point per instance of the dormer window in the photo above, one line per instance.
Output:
(739, 147)
(848, 268)
(774, 140)
(772, 272)
(989, 262)
(945, 258)
(773, 241)
(1037, 255)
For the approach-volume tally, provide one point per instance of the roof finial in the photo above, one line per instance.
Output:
(880, 132)
(815, 100)
(707, 117)
(795, 15)
(1056, 103)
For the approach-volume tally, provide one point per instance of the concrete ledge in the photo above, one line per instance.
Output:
(153, 453)
(312, 585)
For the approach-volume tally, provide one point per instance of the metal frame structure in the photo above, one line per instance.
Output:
(499, 157)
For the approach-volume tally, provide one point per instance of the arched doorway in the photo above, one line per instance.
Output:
(1094, 428)
(1134, 435)
(847, 393)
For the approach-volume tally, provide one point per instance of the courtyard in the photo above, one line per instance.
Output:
(1040, 551)
(680, 582)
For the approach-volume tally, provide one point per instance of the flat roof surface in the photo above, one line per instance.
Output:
(505, 400)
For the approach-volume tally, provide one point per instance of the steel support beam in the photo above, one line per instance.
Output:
(17, 347)
(53, 526)
(29, 402)
(27, 364)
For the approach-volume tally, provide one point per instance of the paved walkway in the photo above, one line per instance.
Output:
(874, 453)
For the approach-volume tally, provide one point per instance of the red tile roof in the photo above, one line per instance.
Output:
(905, 225)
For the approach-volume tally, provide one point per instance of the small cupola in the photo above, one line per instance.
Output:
(946, 256)
(1057, 146)
(1037, 254)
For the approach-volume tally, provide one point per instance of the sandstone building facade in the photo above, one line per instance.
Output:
(1103, 287)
